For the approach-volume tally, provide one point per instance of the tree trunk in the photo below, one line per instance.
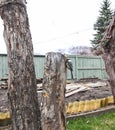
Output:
(54, 82)
(22, 94)
(109, 60)
(107, 49)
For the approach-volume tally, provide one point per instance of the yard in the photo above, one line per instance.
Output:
(103, 122)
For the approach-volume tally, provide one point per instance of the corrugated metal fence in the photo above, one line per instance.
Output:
(83, 66)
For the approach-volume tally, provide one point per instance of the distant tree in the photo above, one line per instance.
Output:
(102, 22)
(80, 50)
(61, 50)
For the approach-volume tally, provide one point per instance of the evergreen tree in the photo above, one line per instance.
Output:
(102, 22)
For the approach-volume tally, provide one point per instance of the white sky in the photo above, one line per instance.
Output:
(56, 24)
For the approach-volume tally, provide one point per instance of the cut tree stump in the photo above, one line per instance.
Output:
(53, 97)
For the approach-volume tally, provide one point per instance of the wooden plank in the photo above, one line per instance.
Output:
(97, 112)
(76, 91)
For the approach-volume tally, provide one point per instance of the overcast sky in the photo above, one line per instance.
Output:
(61, 24)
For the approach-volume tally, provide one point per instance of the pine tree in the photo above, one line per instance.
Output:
(102, 22)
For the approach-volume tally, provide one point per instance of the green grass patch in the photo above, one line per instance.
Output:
(103, 122)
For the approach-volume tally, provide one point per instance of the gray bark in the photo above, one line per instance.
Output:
(54, 83)
(22, 94)
(107, 49)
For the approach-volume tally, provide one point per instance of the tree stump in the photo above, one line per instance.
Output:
(53, 98)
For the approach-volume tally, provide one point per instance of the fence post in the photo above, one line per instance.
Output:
(53, 98)
(76, 68)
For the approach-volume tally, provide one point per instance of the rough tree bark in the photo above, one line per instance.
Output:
(54, 82)
(22, 94)
(107, 49)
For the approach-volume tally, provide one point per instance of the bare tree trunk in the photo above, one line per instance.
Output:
(22, 95)
(107, 49)
(109, 60)
(54, 82)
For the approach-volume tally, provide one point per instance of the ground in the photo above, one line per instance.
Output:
(97, 92)
(3, 98)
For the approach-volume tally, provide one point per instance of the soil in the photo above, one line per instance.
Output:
(95, 93)
(3, 98)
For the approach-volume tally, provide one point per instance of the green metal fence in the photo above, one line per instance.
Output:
(83, 66)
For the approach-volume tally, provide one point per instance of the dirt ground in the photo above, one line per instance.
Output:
(95, 93)
(3, 99)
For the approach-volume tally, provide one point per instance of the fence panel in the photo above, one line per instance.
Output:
(39, 65)
(3, 66)
(87, 67)
(83, 66)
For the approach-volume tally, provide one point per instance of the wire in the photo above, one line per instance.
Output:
(61, 37)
